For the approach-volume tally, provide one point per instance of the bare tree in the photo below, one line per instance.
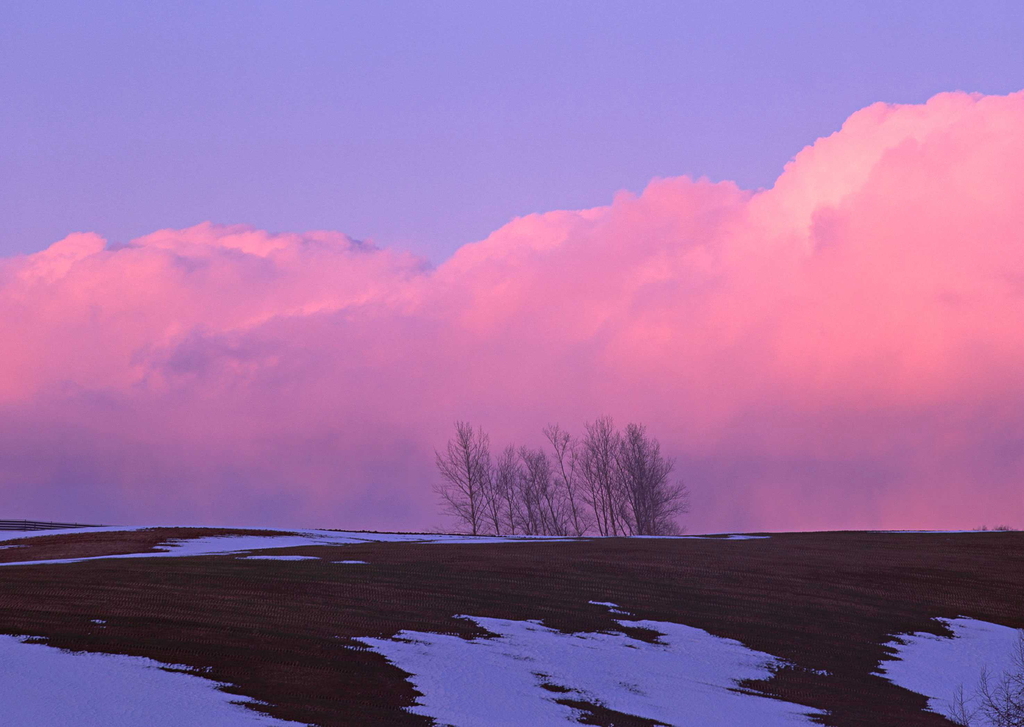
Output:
(599, 473)
(507, 480)
(534, 495)
(652, 500)
(494, 500)
(553, 509)
(567, 477)
(618, 483)
(997, 702)
(465, 467)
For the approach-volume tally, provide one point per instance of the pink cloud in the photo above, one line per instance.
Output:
(845, 349)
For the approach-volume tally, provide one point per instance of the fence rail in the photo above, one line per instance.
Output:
(37, 525)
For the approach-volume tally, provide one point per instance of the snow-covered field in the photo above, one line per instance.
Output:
(517, 676)
(45, 687)
(938, 667)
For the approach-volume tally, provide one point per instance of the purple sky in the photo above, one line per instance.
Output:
(833, 337)
(424, 126)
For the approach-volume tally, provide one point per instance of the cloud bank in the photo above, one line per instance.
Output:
(843, 350)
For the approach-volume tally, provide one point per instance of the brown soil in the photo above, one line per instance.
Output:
(280, 631)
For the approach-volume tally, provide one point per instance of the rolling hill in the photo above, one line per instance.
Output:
(332, 628)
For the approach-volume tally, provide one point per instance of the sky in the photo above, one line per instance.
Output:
(256, 258)
(426, 126)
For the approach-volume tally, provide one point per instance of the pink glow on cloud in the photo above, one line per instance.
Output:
(845, 349)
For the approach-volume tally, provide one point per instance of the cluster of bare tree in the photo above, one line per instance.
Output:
(997, 702)
(607, 481)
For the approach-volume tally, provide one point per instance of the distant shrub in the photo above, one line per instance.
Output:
(997, 702)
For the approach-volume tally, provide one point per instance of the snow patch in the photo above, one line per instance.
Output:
(41, 685)
(516, 677)
(938, 666)
(612, 607)
(22, 534)
(280, 557)
(229, 544)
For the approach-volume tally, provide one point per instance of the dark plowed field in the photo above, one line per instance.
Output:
(280, 631)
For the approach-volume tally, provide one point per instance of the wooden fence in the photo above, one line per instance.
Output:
(36, 525)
